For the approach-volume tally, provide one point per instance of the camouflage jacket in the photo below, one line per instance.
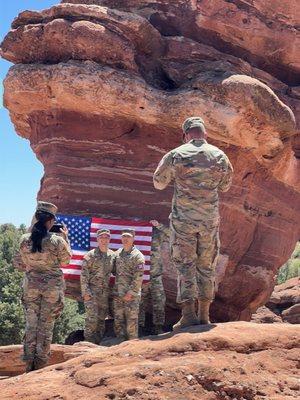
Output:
(96, 270)
(55, 252)
(199, 171)
(129, 271)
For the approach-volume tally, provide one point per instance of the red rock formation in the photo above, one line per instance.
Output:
(285, 301)
(11, 363)
(283, 305)
(236, 360)
(264, 315)
(101, 93)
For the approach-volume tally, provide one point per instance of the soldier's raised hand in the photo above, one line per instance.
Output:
(64, 231)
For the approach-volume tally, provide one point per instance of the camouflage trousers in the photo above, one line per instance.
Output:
(96, 310)
(194, 252)
(43, 302)
(153, 294)
(126, 314)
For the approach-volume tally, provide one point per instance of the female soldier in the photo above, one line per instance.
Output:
(43, 285)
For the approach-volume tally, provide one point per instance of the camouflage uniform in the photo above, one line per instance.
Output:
(129, 271)
(199, 170)
(153, 291)
(43, 294)
(96, 270)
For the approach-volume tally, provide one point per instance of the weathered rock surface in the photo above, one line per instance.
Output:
(101, 88)
(11, 363)
(285, 301)
(227, 361)
(264, 315)
(283, 305)
(285, 295)
(292, 314)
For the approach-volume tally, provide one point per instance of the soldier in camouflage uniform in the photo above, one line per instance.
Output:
(43, 287)
(199, 171)
(96, 270)
(129, 271)
(153, 291)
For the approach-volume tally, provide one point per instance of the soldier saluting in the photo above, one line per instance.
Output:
(199, 171)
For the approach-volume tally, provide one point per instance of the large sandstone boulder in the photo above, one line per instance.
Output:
(236, 360)
(100, 88)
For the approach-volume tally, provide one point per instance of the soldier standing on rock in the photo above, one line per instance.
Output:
(43, 254)
(129, 271)
(96, 270)
(199, 171)
(153, 291)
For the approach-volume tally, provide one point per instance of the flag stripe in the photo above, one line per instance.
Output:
(119, 228)
(121, 222)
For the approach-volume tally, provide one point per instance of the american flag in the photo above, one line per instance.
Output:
(82, 236)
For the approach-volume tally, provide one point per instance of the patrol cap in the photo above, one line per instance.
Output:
(128, 232)
(193, 122)
(103, 231)
(44, 206)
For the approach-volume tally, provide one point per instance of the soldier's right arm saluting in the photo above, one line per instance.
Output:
(164, 173)
(226, 180)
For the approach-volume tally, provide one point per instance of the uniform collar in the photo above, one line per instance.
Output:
(101, 252)
(202, 141)
(128, 252)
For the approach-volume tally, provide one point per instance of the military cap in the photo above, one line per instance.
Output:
(128, 232)
(103, 231)
(193, 122)
(44, 206)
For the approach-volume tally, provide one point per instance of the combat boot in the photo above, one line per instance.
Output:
(189, 317)
(29, 365)
(203, 311)
(158, 329)
(39, 363)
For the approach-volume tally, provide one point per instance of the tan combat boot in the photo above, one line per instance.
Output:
(29, 365)
(189, 317)
(203, 311)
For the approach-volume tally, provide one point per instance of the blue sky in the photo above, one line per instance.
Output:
(20, 170)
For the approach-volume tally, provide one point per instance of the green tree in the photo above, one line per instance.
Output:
(291, 268)
(11, 311)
